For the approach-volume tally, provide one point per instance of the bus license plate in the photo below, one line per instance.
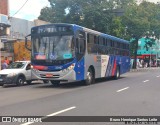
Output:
(49, 75)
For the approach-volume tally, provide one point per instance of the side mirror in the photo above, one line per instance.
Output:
(28, 67)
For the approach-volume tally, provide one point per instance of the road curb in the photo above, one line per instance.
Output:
(144, 69)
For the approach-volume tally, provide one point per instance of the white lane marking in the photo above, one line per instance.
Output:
(27, 123)
(158, 76)
(56, 113)
(122, 89)
(53, 114)
(146, 81)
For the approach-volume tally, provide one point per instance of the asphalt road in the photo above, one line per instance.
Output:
(134, 94)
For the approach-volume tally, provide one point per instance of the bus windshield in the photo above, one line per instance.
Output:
(57, 47)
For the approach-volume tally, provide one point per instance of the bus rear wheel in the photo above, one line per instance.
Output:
(55, 83)
(117, 76)
(90, 77)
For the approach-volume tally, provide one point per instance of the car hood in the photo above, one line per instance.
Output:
(8, 71)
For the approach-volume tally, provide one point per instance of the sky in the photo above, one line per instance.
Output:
(30, 11)
(155, 1)
(32, 8)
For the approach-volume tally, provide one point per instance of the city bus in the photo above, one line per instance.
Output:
(69, 52)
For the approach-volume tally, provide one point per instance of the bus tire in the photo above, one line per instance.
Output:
(117, 75)
(55, 83)
(90, 77)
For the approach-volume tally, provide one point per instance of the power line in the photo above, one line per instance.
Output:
(20, 8)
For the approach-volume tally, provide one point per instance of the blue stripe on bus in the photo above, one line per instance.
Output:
(110, 66)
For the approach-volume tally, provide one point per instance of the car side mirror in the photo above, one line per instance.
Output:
(28, 67)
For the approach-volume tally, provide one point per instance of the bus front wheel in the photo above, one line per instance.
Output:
(90, 77)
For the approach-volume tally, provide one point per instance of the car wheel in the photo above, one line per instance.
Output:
(20, 80)
(55, 83)
(29, 82)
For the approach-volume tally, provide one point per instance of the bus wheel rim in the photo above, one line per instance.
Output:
(117, 73)
(89, 77)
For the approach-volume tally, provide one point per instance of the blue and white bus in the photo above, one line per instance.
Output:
(68, 52)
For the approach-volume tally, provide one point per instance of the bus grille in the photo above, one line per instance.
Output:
(49, 76)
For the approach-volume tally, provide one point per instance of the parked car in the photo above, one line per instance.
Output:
(17, 73)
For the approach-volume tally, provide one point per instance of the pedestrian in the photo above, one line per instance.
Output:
(142, 63)
(6, 60)
(4, 65)
(24, 59)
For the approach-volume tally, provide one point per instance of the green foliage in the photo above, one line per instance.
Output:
(99, 15)
(149, 42)
(106, 16)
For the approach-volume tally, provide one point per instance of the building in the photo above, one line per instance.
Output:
(148, 53)
(4, 7)
(13, 44)
(12, 34)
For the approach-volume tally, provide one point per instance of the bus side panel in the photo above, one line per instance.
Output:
(104, 64)
(123, 63)
(80, 69)
(95, 61)
(125, 67)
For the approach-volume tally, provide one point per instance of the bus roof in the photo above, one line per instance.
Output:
(88, 30)
(102, 34)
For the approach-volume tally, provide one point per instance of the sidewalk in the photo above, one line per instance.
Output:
(144, 69)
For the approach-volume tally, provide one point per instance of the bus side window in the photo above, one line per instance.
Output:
(106, 42)
(80, 44)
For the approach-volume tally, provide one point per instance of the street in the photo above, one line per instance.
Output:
(134, 94)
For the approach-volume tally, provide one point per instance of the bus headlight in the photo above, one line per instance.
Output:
(71, 67)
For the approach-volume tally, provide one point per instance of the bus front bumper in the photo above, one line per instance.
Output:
(55, 76)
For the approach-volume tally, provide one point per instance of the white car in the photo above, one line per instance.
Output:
(16, 73)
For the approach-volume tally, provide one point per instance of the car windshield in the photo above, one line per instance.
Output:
(17, 65)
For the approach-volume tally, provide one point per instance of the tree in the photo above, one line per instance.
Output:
(139, 19)
(101, 15)
(95, 14)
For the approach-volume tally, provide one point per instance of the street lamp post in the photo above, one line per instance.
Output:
(150, 57)
(0, 54)
(156, 57)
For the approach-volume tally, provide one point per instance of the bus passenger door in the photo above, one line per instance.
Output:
(80, 52)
